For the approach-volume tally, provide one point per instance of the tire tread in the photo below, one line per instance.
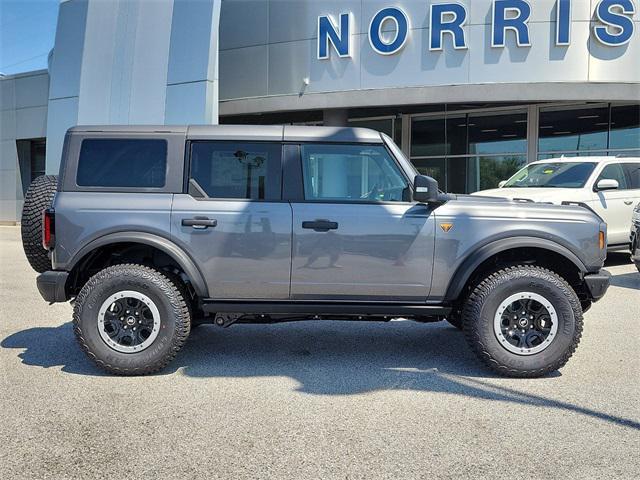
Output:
(168, 287)
(475, 301)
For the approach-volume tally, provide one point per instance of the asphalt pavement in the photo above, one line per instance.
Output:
(314, 400)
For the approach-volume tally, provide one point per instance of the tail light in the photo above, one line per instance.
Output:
(48, 228)
(602, 240)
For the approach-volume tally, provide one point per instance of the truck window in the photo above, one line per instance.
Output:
(238, 170)
(614, 171)
(111, 162)
(352, 173)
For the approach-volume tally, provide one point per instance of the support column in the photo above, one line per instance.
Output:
(533, 125)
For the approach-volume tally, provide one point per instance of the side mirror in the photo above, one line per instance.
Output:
(607, 184)
(502, 183)
(425, 189)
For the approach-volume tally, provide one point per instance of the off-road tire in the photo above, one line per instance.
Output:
(38, 198)
(481, 307)
(175, 319)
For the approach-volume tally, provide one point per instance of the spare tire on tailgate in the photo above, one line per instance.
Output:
(39, 197)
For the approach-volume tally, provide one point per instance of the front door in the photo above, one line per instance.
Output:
(233, 222)
(616, 206)
(357, 236)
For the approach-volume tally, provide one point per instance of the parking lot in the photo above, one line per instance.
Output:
(314, 400)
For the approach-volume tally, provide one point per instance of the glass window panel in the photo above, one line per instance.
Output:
(459, 172)
(495, 134)
(352, 173)
(632, 173)
(236, 170)
(625, 127)
(583, 129)
(432, 167)
(614, 172)
(553, 174)
(492, 170)
(457, 135)
(384, 125)
(428, 137)
(108, 162)
(627, 153)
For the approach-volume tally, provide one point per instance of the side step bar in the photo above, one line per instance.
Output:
(323, 308)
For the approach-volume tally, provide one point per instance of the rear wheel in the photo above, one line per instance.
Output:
(523, 321)
(131, 319)
(38, 198)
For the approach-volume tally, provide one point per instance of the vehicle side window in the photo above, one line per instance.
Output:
(632, 171)
(352, 173)
(614, 171)
(116, 163)
(239, 170)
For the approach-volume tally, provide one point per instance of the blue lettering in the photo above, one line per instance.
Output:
(620, 21)
(401, 31)
(339, 38)
(438, 25)
(563, 22)
(519, 12)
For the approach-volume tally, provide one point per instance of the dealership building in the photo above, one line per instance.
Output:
(470, 89)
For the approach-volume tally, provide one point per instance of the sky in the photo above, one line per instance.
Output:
(27, 33)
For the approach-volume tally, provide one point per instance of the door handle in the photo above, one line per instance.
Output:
(628, 202)
(199, 223)
(320, 225)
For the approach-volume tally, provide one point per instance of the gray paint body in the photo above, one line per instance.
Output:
(393, 252)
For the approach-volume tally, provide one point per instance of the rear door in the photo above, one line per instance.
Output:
(232, 220)
(356, 234)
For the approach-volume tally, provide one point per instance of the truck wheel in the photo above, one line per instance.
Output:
(523, 321)
(131, 319)
(38, 198)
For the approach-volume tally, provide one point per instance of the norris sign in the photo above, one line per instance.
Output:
(614, 26)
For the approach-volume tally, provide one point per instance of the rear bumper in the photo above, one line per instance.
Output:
(51, 286)
(597, 284)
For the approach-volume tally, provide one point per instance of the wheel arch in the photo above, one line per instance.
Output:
(513, 245)
(162, 244)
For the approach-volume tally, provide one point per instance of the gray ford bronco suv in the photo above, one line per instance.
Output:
(150, 231)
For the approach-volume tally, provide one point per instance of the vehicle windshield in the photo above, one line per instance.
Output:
(552, 175)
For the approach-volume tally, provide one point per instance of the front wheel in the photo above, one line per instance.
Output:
(523, 321)
(131, 319)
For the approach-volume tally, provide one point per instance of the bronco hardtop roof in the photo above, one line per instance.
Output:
(286, 133)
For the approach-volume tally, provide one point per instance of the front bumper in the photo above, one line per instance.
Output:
(597, 284)
(51, 286)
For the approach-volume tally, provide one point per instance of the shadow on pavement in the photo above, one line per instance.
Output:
(627, 280)
(325, 358)
(615, 259)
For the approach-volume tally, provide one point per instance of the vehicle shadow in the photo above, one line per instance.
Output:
(325, 358)
(615, 259)
(626, 280)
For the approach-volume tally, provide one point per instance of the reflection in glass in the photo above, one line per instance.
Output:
(434, 168)
(494, 134)
(583, 129)
(428, 137)
(553, 175)
(625, 127)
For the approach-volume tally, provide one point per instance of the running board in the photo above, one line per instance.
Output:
(324, 308)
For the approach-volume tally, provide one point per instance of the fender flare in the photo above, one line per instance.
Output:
(156, 241)
(478, 256)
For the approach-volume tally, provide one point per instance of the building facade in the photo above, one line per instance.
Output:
(470, 90)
